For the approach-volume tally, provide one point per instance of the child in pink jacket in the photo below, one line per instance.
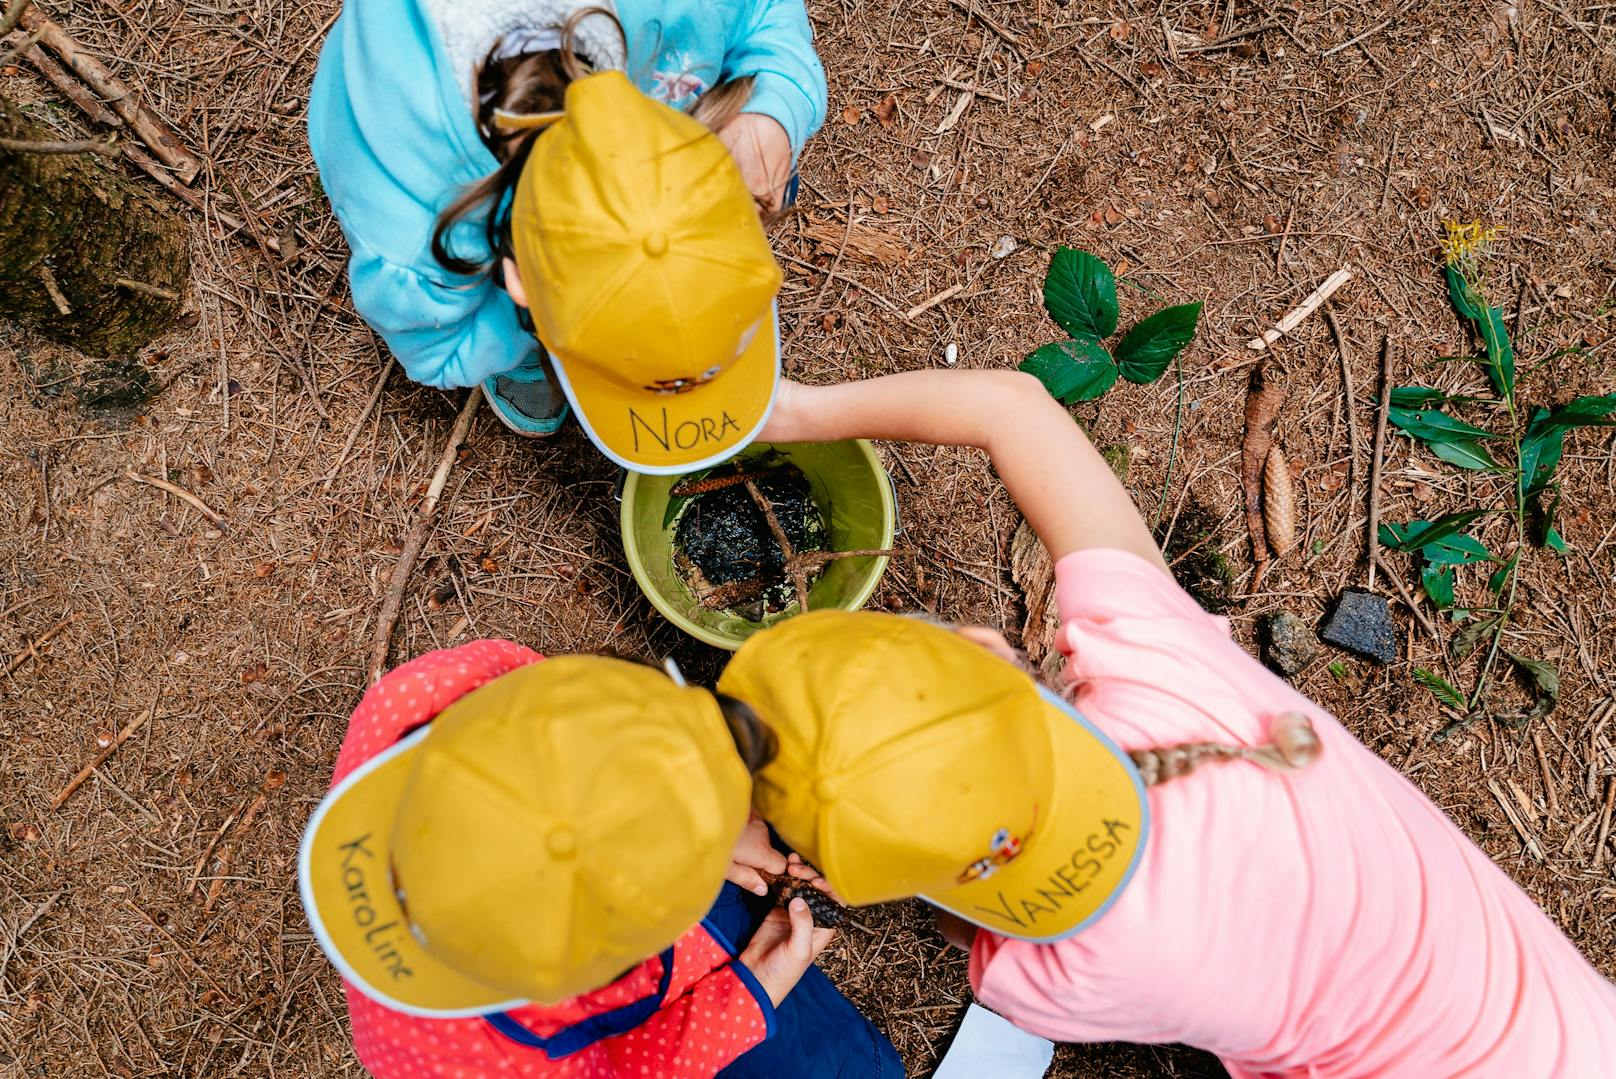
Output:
(1266, 889)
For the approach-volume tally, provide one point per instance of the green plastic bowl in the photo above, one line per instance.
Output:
(848, 485)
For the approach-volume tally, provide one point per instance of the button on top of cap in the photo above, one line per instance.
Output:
(825, 789)
(562, 843)
(656, 244)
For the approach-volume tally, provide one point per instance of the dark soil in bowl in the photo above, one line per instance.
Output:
(722, 536)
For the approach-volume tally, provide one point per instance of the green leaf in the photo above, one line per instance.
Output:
(1545, 682)
(1338, 670)
(1417, 397)
(1438, 585)
(1072, 371)
(1080, 294)
(1500, 353)
(1147, 349)
(1541, 449)
(1430, 425)
(1466, 301)
(1467, 640)
(1465, 455)
(1501, 574)
(1438, 541)
(1585, 412)
(1440, 687)
(1554, 540)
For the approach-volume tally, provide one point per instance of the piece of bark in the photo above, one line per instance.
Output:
(1263, 399)
(1034, 574)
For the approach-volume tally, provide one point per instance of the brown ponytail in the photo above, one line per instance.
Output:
(754, 739)
(531, 83)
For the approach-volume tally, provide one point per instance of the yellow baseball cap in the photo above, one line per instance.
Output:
(915, 762)
(649, 277)
(543, 835)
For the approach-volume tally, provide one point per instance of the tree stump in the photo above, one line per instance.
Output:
(87, 257)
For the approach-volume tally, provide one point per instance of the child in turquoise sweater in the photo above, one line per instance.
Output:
(408, 117)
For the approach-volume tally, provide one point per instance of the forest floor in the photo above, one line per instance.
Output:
(1235, 153)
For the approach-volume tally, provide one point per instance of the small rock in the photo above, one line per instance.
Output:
(1289, 643)
(1362, 623)
(1002, 247)
(951, 354)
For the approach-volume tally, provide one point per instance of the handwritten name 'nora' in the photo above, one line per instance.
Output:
(685, 435)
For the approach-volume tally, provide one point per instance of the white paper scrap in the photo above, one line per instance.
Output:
(990, 1045)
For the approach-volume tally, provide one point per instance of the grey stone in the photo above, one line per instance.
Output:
(1362, 623)
(1289, 643)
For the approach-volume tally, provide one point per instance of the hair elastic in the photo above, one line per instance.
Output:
(512, 122)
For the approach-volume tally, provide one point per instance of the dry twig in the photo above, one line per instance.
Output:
(1372, 537)
(970, 8)
(181, 493)
(1297, 314)
(163, 141)
(100, 758)
(228, 857)
(387, 618)
(799, 579)
(34, 645)
(79, 146)
(926, 305)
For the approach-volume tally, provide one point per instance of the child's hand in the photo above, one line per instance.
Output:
(762, 149)
(783, 948)
(956, 930)
(752, 853)
(800, 869)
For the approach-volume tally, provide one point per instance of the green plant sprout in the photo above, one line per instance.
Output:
(1080, 294)
(1531, 452)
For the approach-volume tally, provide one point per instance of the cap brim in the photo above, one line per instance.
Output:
(1083, 848)
(668, 434)
(345, 876)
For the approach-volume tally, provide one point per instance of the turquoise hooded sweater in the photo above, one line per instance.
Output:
(395, 141)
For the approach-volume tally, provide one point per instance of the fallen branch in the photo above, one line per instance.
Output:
(799, 579)
(151, 129)
(181, 493)
(100, 758)
(1372, 539)
(79, 146)
(34, 645)
(387, 618)
(1297, 314)
(22, 930)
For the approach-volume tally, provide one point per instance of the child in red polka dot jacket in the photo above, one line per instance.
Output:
(515, 873)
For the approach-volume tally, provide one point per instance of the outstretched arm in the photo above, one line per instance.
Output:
(1062, 485)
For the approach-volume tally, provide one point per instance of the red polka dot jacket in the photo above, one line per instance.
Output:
(684, 1014)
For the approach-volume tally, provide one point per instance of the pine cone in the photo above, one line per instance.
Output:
(783, 888)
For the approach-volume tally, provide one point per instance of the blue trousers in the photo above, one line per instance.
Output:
(818, 1034)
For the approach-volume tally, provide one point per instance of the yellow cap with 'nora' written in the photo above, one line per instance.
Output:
(542, 835)
(649, 277)
(915, 762)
